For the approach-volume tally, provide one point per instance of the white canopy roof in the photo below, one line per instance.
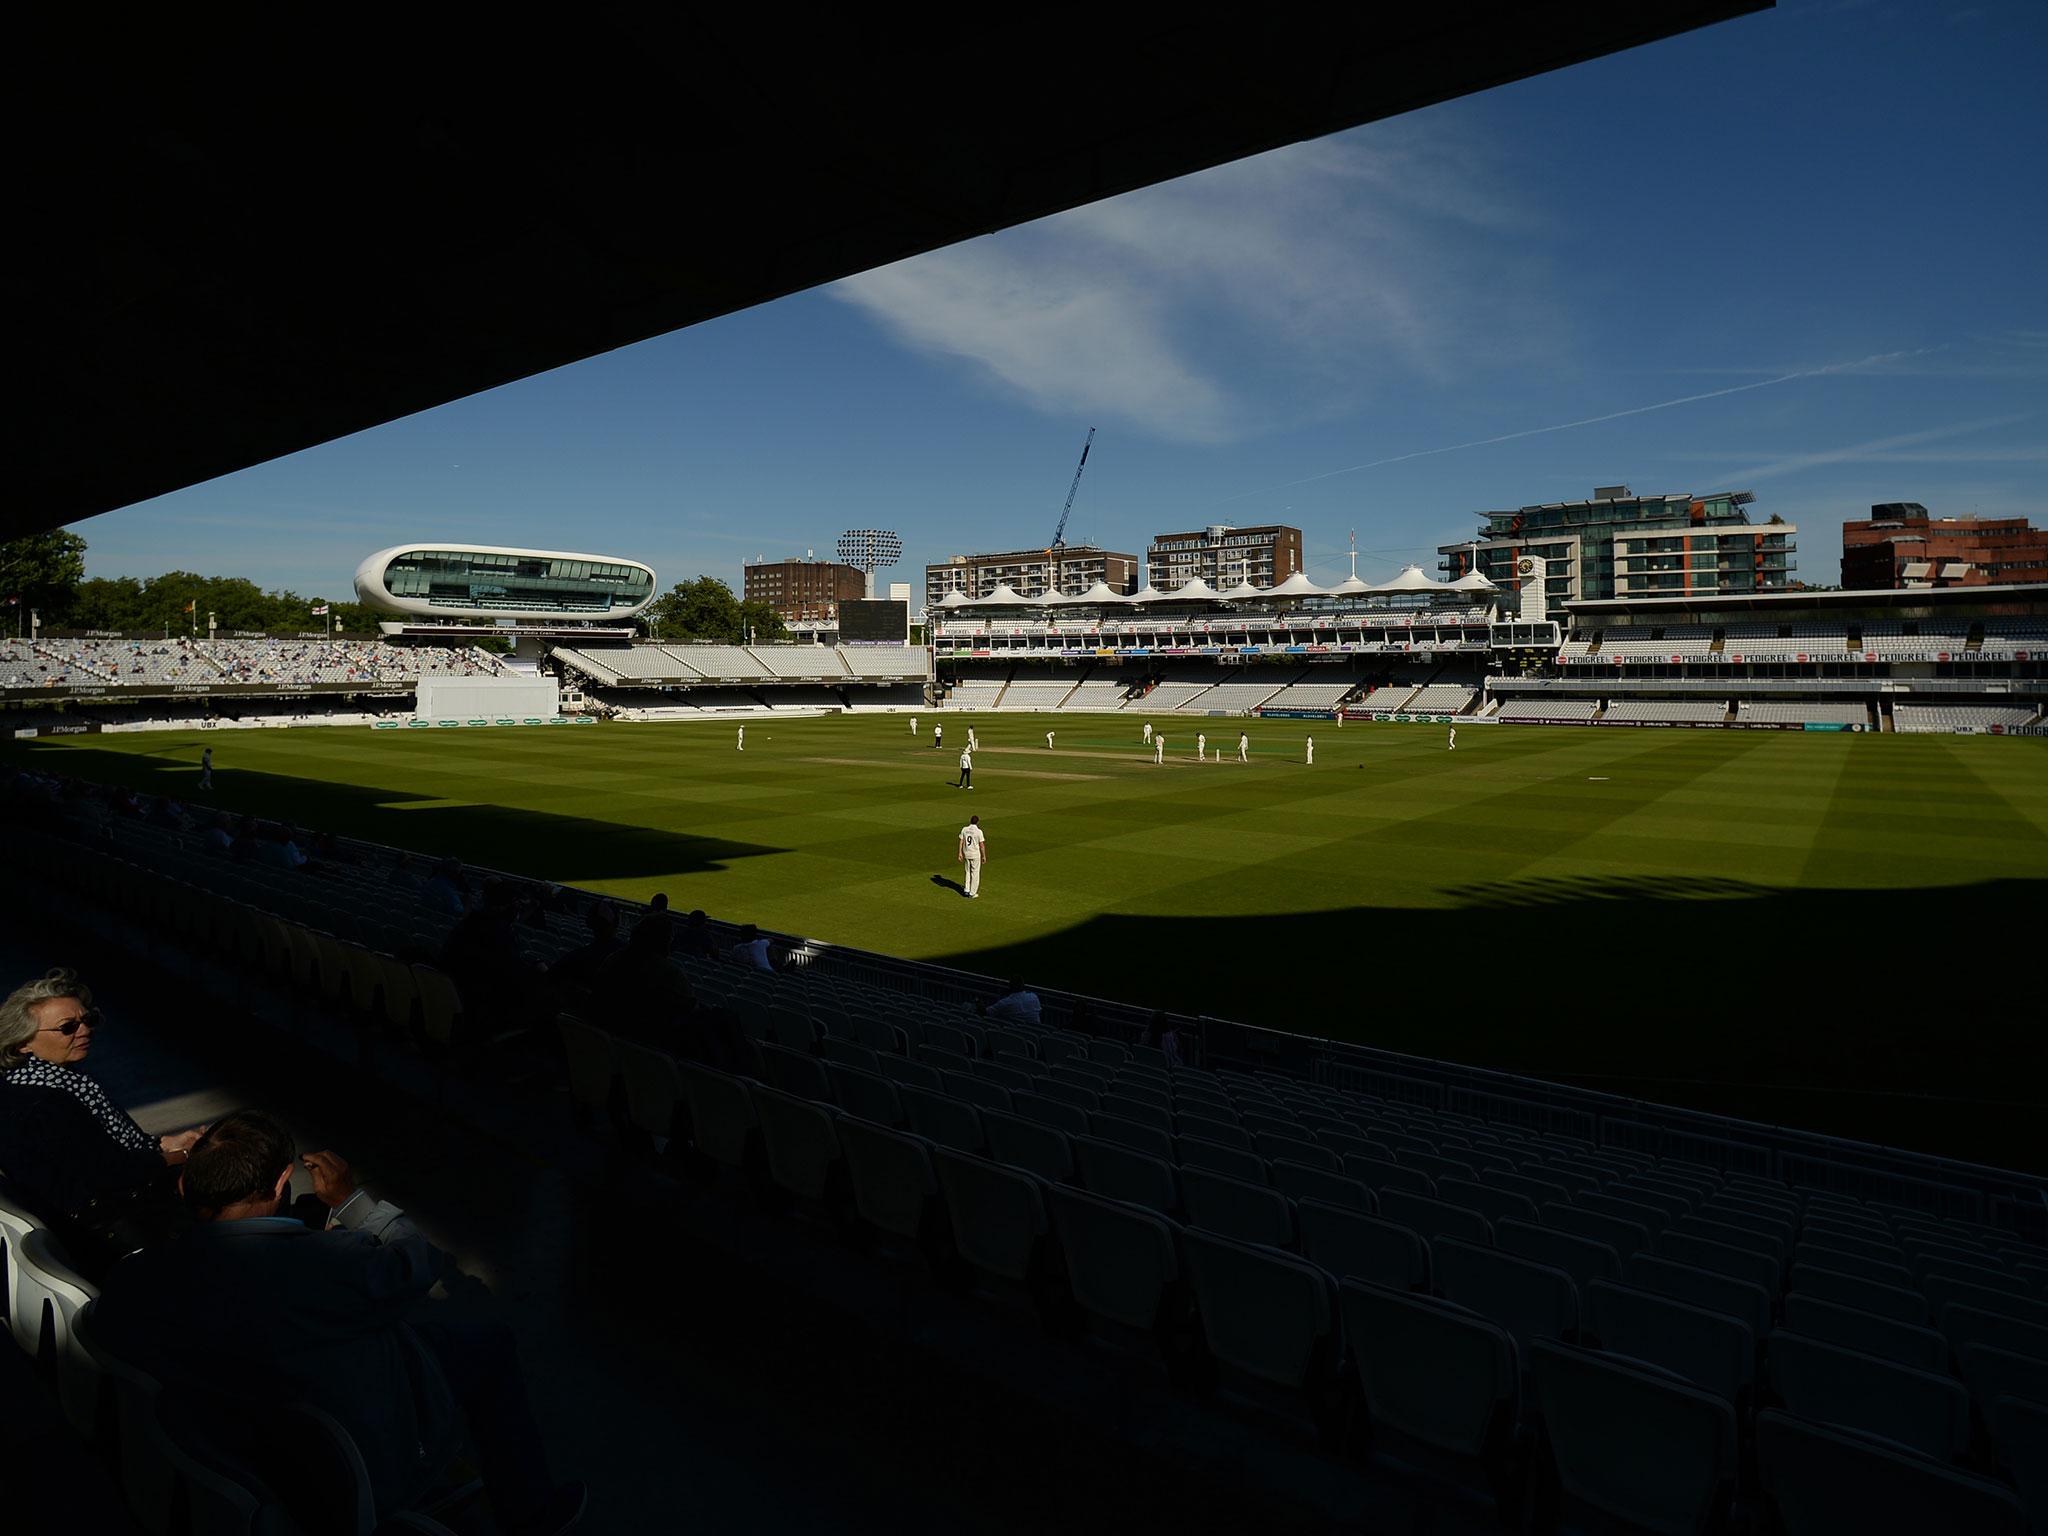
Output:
(1243, 590)
(955, 599)
(1411, 579)
(1297, 585)
(1146, 594)
(1474, 580)
(1100, 593)
(1350, 586)
(1004, 596)
(1189, 591)
(1057, 596)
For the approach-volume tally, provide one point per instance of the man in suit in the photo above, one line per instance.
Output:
(251, 1308)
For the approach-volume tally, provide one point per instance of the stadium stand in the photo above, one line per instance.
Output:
(1390, 699)
(1549, 709)
(795, 660)
(1171, 694)
(885, 661)
(188, 662)
(1318, 692)
(1676, 711)
(1960, 717)
(1800, 711)
(1098, 693)
(721, 663)
(1036, 693)
(1392, 1237)
(975, 693)
(1242, 697)
(1442, 699)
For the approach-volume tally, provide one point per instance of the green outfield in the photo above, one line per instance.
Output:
(1840, 931)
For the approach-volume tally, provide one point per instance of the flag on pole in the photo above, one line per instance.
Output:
(193, 606)
(319, 610)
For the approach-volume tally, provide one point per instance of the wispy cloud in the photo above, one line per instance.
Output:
(1856, 453)
(1283, 288)
(1559, 426)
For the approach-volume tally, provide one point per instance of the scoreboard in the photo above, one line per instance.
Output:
(874, 619)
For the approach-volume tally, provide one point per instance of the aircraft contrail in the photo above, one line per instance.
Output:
(1588, 421)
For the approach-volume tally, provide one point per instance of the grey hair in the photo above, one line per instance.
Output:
(17, 1014)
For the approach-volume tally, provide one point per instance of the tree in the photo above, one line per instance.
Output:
(761, 622)
(704, 609)
(42, 571)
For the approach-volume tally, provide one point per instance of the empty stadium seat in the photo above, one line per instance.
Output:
(1050, 1111)
(1251, 1213)
(1197, 1152)
(1891, 1301)
(1632, 1443)
(1743, 1300)
(1379, 1176)
(47, 1297)
(1353, 1245)
(1118, 1172)
(891, 1175)
(1832, 1385)
(1963, 1326)
(801, 1140)
(1713, 1351)
(1435, 1218)
(1432, 1372)
(1820, 1480)
(1026, 1144)
(1303, 1182)
(1264, 1312)
(865, 1094)
(998, 1214)
(1624, 1237)
(722, 1123)
(937, 1118)
(653, 1087)
(1122, 1260)
(1852, 1328)
(1580, 1257)
(1530, 1300)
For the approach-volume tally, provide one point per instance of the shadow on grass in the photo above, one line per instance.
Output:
(567, 849)
(952, 885)
(1906, 1017)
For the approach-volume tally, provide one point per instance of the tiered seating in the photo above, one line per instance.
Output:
(1549, 709)
(1392, 698)
(1700, 710)
(1803, 710)
(1037, 693)
(1473, 1283)
(285, 663)
(797, 660)
(1319, 693)
(1167, 697)
(721, 662)
(886, 661)
(1954, 717)
(975, 693)
(1453, 1276)
(1442, 699)
(1100, 693)
(1237, 697)
(645, 663)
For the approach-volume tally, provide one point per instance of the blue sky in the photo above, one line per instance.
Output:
(1828, 220)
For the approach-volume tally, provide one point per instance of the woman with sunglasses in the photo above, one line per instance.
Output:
(65, 1146)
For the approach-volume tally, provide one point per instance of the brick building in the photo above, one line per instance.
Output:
(1223, 556)
(803, 590)
(1900, 545)
(1031, 572)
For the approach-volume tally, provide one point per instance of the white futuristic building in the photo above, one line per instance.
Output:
(468, 582)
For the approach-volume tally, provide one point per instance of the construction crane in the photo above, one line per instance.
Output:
(1059, 534)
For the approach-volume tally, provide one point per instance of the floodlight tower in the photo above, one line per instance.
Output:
(869, 550)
